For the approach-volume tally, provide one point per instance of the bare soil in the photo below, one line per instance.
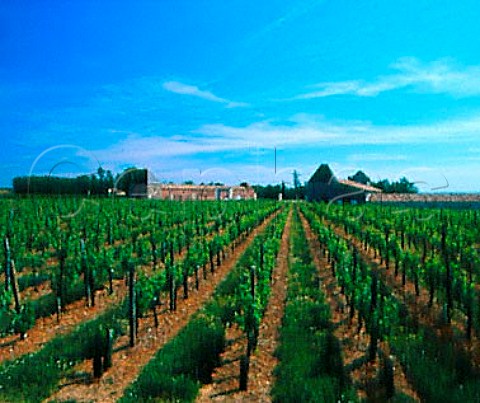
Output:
(354, 343)
(128, 362)
(45, 329)
(418, 306)
(225, 383)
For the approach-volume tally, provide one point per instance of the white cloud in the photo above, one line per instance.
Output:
(185, 89)
(435, 177)
(176, 156)
(440, 76)
(301, 131)
(372, 157)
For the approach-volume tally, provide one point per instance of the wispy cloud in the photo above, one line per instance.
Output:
(376, 157)
(441, 76)
(300, 131)
(185, 89)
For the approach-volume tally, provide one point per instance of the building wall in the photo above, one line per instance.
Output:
(319, 191)
(194, 192)
(432, 200)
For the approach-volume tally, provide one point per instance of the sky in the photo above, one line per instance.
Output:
(234, 91)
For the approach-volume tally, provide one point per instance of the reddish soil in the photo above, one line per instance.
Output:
(128, 362)
(262, 362)
(354, 343)
(34, 293)
(225, 378)
(418, 306)
(45, 329)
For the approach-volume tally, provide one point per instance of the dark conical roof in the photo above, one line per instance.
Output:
(323, 174)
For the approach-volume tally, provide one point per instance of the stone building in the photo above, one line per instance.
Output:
(324, 186)
(199, 192)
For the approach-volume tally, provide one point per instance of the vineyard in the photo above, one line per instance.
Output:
(145, 300)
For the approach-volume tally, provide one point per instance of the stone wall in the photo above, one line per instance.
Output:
(199, 192)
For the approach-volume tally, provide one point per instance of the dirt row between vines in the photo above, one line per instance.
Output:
(45, 329)
(35, 292)
(224, 387)
(128, 362)
(418, 306)
(354, 344)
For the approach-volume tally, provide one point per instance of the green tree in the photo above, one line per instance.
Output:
(401, 186)
(360, 177)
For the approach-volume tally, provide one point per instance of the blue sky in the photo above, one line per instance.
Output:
(206, 90)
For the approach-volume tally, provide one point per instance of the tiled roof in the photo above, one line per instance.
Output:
(360, 186)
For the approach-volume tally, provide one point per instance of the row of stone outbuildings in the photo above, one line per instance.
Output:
(324, 186)
(199, 192)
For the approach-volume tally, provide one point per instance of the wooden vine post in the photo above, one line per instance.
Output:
(163, 252)
(97, 357)
(448, 279)
(204, 247)
(86, 274)
(15, 290)
(7, 263)
(387, 248)
(110, 280)
(154, 251)
(373, 322)
(155, 303)
(186, 266)
(416, 268)
(252, 334)
(210, 256)
(171, 280)
(102, 352)
(61, 281)
(424, 250)
(107, 358)
(387, 375)
(218, 247)
(110, 232)
(254, 321)
(354, 279)
(197, 268)
(396, 257)
(132, 304)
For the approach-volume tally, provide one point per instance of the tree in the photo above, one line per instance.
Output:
(267, 192)
(402, 186)
(133, 181)
(101, 173)
(299, 191)
(109, 181)
(98, 184)
(360, 177)
(405, 186)
(296, 180)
